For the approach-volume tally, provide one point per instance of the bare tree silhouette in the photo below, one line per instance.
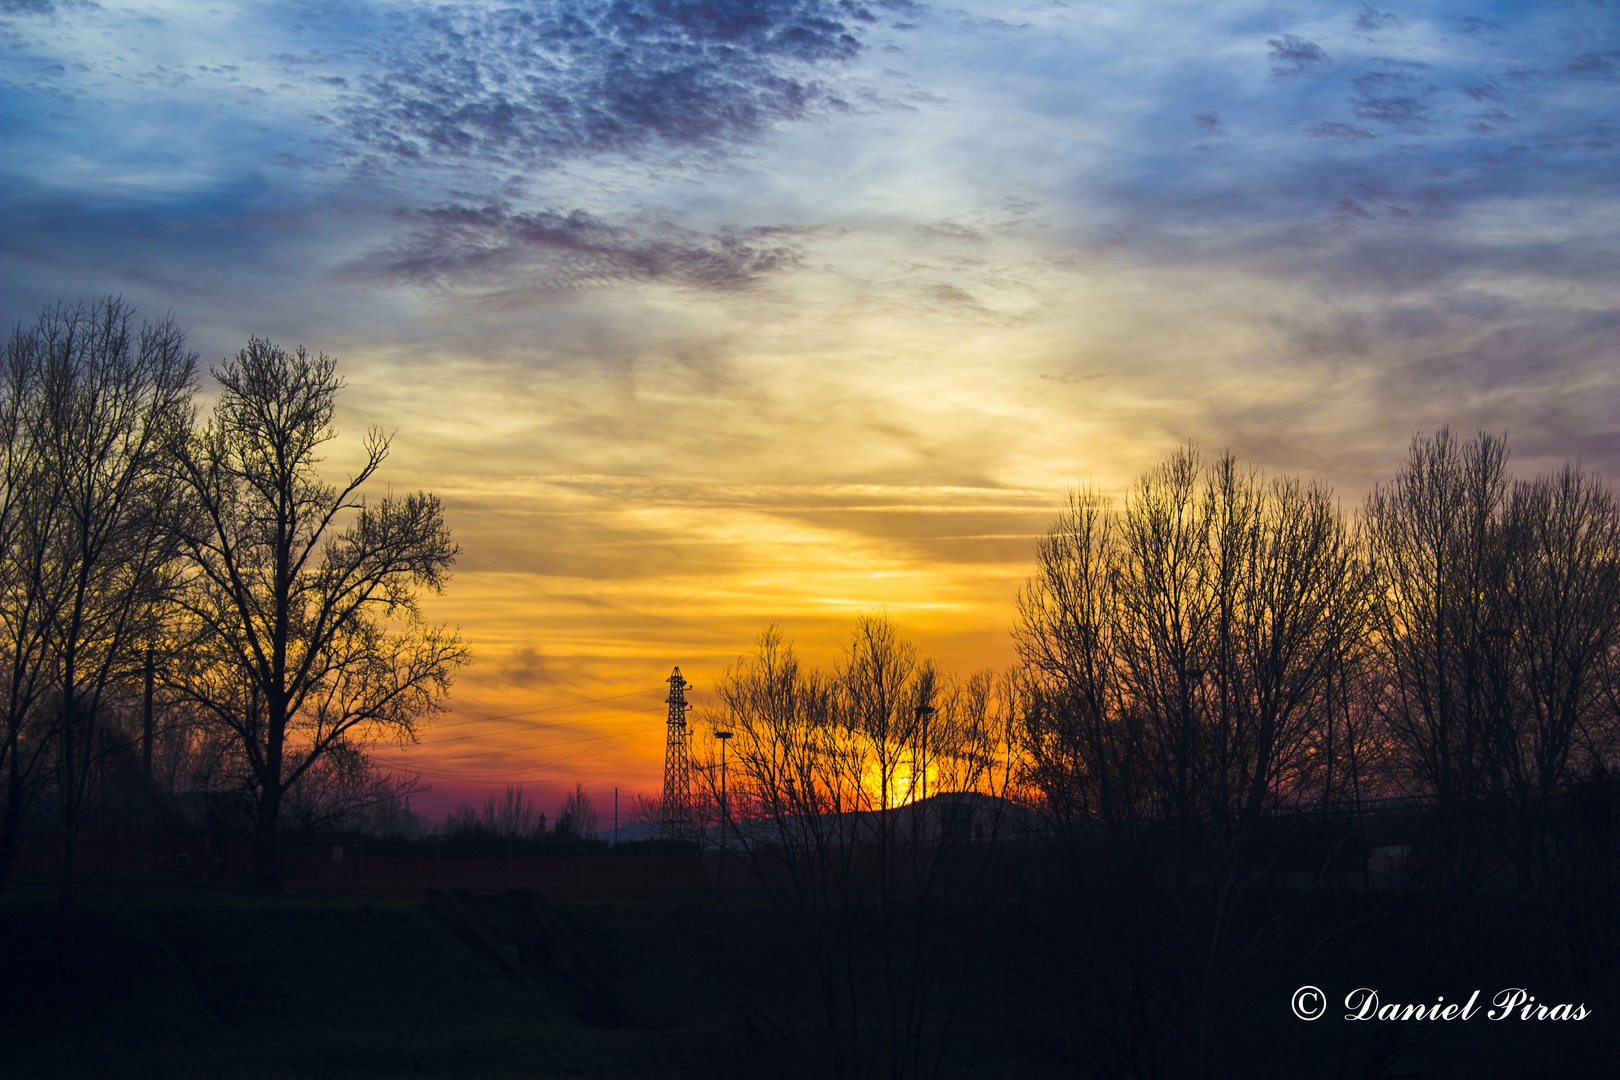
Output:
(576, 819)
(1499, 616)
(513, 817)
(92, 404)
(301, 633)
(854, 799)
(1181, 656)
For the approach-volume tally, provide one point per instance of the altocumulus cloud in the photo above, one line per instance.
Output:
(540, 82)
(1291, 56)
(456, 245)
(1394, 93)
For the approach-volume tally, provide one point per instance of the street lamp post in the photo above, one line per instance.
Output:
(722, 736)
(923, 713)
(725, 815)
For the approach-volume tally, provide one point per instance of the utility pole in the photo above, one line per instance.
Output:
(677, 811)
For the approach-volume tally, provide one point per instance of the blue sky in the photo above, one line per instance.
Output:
(701, 315)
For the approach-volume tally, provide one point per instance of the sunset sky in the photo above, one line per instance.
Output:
(700, 316)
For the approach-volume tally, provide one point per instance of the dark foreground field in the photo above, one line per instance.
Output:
(204, 979)
(217, 980)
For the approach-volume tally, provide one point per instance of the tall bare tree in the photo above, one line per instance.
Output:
(1084, 750)
(90, 555)
(26, 511)
(1435, 540)
(1499, 624)
(884, 691)
(1239, 599)
(1181, 654)
(787, 776)
(836, 788)
(303, 631)
(1560, 615)
(1180, 650)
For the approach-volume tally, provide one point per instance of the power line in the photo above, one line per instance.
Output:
(549, 764)
(586, 753)
(546, 708)
(544, 726)
(531, 749)
(555, 765)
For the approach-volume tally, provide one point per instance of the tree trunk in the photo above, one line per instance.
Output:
(70, 805)
(266, 851)
(12, 818)
(147, 800)
(70, 828)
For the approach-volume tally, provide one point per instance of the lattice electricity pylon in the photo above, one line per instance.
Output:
(679, 821)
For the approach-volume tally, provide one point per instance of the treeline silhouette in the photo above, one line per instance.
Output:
(195, 624)
(1247, 734)
(516, 817)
